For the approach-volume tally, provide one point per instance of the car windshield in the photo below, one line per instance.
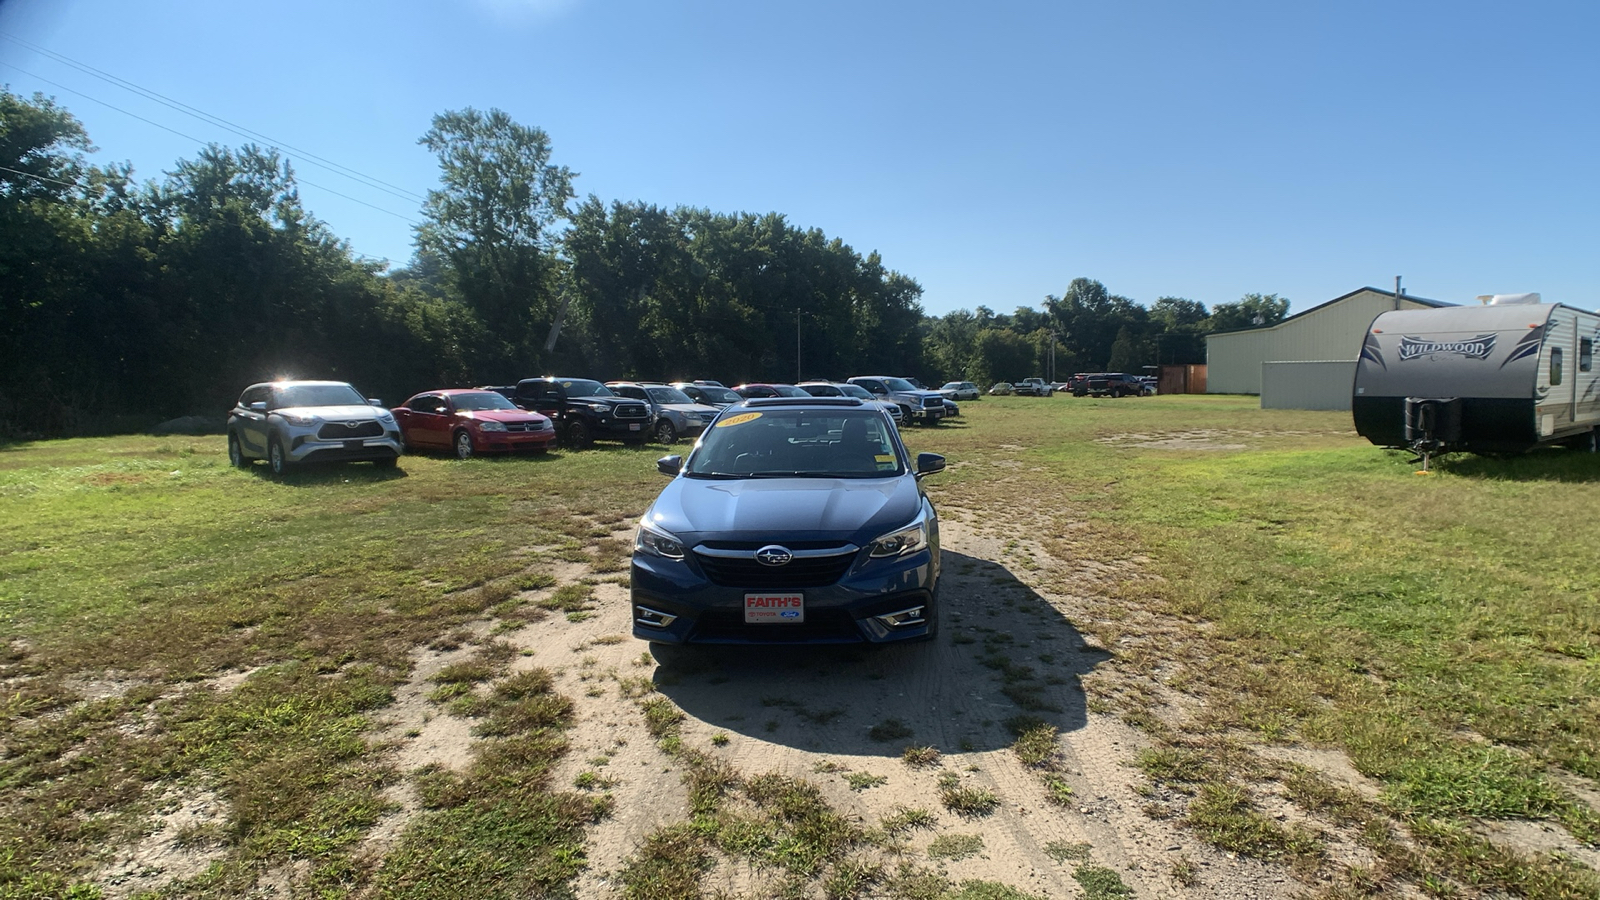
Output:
(789, 390)
(720, 394)
(952, 386)
(289, 396)
(798, 443)
(899, 384)
(854, 390)
(666, 395)
(583, 387)
(820, 390)
(481, 400)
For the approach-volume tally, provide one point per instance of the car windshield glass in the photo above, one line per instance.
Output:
(481, 400)
(582, 387)
(668, 395)
(952, 386)
(293, 395)
(854, 390)
(721, 395)
(798, 443)
(899, 384)
(820, 390)
(789, 390)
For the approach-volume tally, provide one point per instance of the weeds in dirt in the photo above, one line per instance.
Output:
(920, 757)
(1061, 851)
(889, 730)
(905, 819)
(1101, 883)
(955, 846)
(860, 781)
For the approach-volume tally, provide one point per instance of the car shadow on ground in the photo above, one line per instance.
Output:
(316, 474)
(1004, 658)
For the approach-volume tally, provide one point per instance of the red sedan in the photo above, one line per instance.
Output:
(468, 422)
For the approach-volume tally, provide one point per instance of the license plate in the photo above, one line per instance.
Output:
(353, 445)
(774, 609)
(633, 426)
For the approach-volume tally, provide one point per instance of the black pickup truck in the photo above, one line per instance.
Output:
(583, 410)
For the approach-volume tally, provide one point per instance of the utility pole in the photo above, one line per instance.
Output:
(797, 377)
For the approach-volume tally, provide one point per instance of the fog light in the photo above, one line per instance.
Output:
(912, 616)
(655, 618)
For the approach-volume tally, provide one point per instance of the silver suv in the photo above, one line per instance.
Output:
(289, 422)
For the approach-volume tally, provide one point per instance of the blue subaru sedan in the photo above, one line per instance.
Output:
(793, 521)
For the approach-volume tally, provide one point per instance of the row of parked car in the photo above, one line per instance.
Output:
(291, 422)
(1083, 384)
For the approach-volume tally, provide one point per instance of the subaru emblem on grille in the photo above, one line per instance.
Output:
(774, 555)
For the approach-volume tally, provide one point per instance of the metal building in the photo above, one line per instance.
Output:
(1279, 362)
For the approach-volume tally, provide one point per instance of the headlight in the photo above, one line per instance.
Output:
(600, 408)
(656, 542)
(491, 426)
(298, 420)
(386, 419)
(898, 543)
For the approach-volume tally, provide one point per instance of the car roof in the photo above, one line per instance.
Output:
(770, 402)
(289, 381)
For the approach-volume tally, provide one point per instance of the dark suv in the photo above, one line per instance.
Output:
(1109, 384)
(583, 410)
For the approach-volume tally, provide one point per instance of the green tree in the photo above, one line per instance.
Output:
(492, 226)
(1252, 311)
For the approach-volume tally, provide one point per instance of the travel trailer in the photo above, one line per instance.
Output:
(1503, 377)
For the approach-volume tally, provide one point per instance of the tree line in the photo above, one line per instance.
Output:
(122, 303)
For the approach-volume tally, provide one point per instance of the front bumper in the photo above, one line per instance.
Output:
(846, 612)
(508, 442)
(309, 448)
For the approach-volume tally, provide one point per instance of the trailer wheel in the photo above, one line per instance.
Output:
(1586, 443)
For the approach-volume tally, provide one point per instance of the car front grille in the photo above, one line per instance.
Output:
(524, 426)
(932, 402)
(801, 572)
(630, 411)
(339, 431)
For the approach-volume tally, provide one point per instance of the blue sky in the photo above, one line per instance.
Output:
(991, 151)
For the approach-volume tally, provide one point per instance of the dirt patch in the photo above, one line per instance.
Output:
(173, 850)
(1539, 839)
(1204, 439)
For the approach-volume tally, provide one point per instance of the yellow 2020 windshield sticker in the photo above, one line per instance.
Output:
(740, 419)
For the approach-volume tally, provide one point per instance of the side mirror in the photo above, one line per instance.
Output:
(374, 401)
(670, 465)
(259, 406)
(929, 463)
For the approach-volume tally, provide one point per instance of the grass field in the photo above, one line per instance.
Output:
(180, 633)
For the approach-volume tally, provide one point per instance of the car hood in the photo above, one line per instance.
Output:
(697, 409)
(336, 412)
(778, 509)
(500, 415)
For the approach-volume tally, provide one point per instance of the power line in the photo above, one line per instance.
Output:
(39, 177)
(191, 137)
(212, 119)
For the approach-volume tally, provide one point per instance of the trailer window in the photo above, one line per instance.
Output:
(1585, 354)
(1555, 366)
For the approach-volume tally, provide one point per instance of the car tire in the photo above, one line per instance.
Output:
(236, 457)
(386, 462)
(578, 437)
(277, 458)
(462, 444)
(666, 433)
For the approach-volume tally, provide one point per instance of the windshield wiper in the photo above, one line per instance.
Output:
(719, 476)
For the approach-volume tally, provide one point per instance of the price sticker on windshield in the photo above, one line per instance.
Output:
(740, 419)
